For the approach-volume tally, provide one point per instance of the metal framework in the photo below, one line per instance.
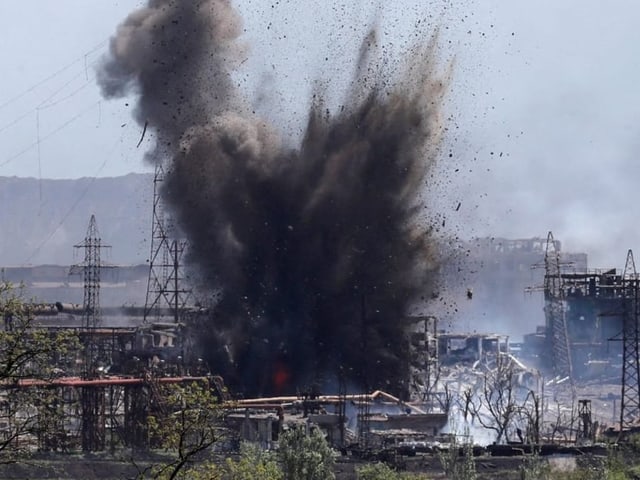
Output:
(585, 432)
(364, 408)
(165, 290)
(116, 409)
(90, 268)
(555, 311)
(428, 359)
(630, 398)
(364, 422)
(342, 403)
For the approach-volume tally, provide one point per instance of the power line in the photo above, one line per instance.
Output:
(46, 103)
(16, 120)
(39, 156)
(76, 203)
(49, 135)
(44, 106)
(53, 75)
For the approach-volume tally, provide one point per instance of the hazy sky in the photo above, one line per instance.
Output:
(543, 104)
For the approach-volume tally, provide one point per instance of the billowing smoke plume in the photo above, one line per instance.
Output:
(316, 251)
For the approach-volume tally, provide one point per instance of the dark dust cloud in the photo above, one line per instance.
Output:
(316, 251)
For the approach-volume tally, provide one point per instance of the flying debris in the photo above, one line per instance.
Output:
(144, 130)
(317, 250)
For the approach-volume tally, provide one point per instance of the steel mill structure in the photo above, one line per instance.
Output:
(591, 323)
(104, 407)
(115, 417)
(102, 396)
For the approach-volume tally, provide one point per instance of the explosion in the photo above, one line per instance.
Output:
(317, 251)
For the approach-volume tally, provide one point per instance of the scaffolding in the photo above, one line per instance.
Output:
(424, 352)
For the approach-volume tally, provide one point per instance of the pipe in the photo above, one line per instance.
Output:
(104, 382)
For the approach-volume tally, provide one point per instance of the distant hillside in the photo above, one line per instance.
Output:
(41, 220)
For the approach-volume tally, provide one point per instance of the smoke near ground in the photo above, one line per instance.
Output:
(316, 250)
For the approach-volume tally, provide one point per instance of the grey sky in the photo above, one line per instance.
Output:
(550, 87)
(566, 114)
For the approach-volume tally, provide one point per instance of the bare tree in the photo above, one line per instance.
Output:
(495, 401)
(561, 423)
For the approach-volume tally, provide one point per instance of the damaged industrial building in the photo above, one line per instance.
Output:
(116, 378)
(307, 284)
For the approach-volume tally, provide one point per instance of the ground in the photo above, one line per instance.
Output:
(90, 467)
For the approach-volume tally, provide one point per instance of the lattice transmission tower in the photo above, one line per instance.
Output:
(166, 292)
(554, 296)
(90, 267)
(630, 399)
